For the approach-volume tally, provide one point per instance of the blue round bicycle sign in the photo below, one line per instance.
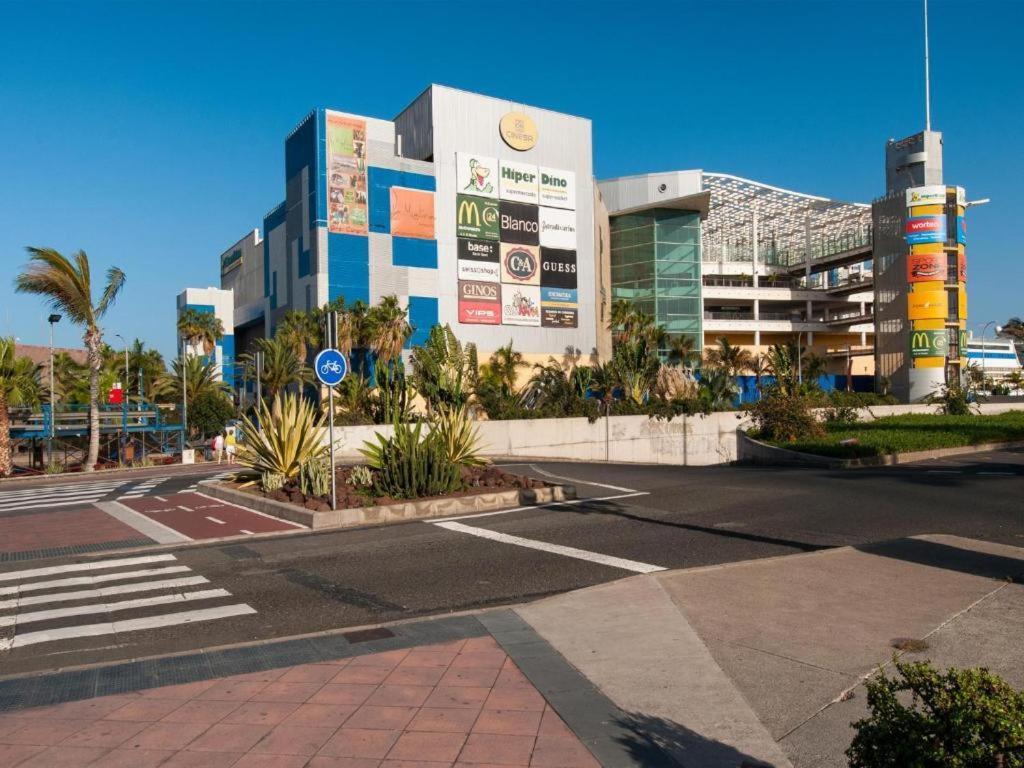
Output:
(330, 366)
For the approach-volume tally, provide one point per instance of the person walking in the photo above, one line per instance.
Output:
(229, 444)
(218, 446)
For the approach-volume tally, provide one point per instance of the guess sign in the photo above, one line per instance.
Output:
(558, 268)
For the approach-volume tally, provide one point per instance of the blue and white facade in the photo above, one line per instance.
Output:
(221, 304)
(304, 259)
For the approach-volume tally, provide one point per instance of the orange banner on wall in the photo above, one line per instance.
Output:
(926, 266)
(412, 213)
(922, 305)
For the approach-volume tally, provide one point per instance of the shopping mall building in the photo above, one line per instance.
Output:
(484, 214)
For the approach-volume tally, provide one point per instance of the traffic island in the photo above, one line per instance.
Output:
(487, 489)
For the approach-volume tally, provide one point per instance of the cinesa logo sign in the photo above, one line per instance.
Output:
(521, 264)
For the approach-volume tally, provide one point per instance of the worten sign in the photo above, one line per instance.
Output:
(516, 243)
(518, 131)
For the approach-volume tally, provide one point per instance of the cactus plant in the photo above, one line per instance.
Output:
(410, 464)
(315, 477)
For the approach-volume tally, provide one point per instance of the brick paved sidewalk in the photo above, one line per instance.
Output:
(462, 703)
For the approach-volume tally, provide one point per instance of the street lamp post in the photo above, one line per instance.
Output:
(184, 395)
(124, 399)
(53, 320)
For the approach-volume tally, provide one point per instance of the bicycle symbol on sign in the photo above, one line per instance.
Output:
(330, 366)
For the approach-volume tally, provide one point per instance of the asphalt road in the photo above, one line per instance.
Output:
(633, 519)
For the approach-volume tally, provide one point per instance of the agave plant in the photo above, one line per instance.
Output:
(289, 436)
(411, 464)
(460, 438)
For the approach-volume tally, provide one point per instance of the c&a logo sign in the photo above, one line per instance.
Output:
(520, 264)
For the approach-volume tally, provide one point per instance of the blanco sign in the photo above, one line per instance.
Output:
(558, 228)
(519, 182)
(484, 271)
(557, 188)
(476, 175)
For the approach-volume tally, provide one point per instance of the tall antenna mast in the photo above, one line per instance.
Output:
(927, 78)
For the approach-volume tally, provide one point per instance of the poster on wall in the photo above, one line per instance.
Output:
(558, 308)
(557, 188)
(479, 303)
(520, 264)
(476, 175)
(932, 194)
(476, 217)
(346, 175)
(478, 250)
(518, 223)
(557, 228)
(961, 267)
(412, 213)
(520, 305)
(557, 268)
(926, 229)
(961, 230)
(518, 182)
(924, 305)
(926, 266)
(928, 343)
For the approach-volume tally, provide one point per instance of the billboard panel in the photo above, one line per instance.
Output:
(479, 270)
(961, 267)
(518, 223)
(346, 175)
(557, 268)
(479, 303)
(555, 316)
(929, 343)
(520, 305)
(476, 175)
(569, 296)
(518, 182)
(478, 250)
(933, 194)
(557, 228)
(961, 230)
(557, 188)
(412, 213)
(520, 264)
(926, 229)
(476, 217)
(924, 305)
(926, 266)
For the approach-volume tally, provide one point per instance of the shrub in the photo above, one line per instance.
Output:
(209, 412)
(460, 438)
(779, 416)
(961, 718)
(315, 477)
(952, 399)
(361, 476)
(410, 464)
(289, 435)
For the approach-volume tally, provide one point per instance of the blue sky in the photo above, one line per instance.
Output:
(152, 134)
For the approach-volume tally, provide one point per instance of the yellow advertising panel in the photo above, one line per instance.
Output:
(927, 286)
(412, 213)
(927, 305)
(929, 325)
(926, 248)
(962, 300)
(925, 210)
(929, 362)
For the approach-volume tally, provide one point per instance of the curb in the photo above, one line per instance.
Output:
(97, 474)
(752, 451)
(390, 513)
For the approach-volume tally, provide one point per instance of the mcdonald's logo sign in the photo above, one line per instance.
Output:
(928, 344)
(476, 217)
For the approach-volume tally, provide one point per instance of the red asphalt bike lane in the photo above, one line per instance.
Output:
(202, 517)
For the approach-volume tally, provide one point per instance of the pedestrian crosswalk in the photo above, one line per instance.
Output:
(58, 495)
(77, 600)
(221, 476)
(141, 489)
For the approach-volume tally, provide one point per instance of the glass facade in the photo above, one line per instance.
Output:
(655, 260)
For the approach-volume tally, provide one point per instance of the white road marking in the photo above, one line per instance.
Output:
(537, 469)
(215, 520)
(557, 549)
(185, 509)
(242, 530)
(95, 579)
(122, 589)
(160, 498)
(539, 506)
(145, 525)
(250, 511)
(945, 472)
(132, 496)
(130, 625)
(94, 566)
(124, 605)
(60, 490)
(1001, 474)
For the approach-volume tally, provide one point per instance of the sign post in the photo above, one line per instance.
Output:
(331, 367)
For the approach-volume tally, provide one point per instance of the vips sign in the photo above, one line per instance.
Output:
(479, 303)
(926, 229)
(476, 217)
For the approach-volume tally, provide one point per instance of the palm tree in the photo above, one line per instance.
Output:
(19, 385)
(620, 317)
(389, 329)
(200, 329)
(70, 380)
(728, 356)
(759, 366)
(681, 349)
(782, 365)
(300, 330)
(504, 366)
(147, 363)
(281, 367)
(201, 377)
(67, 285)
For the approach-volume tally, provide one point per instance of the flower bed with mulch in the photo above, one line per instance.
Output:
(475, 480)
